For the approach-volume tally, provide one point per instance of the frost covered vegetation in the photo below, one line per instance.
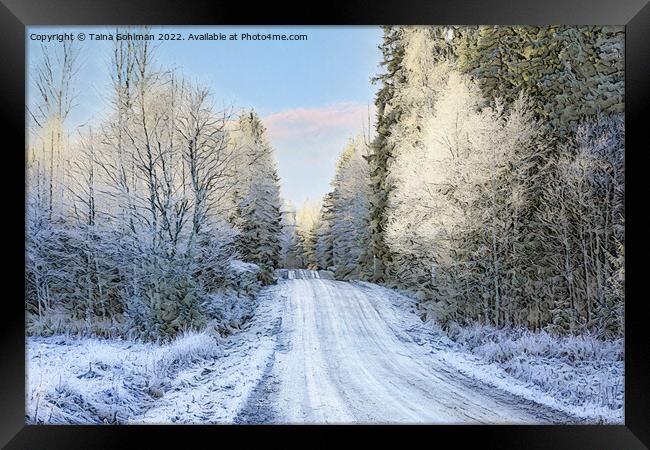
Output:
(102, 381)
(490, 191)
(581, 371)
(135, 221)
(493, 187)
(197, 377)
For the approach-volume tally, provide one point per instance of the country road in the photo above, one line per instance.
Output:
(346, 354)
(316, 350)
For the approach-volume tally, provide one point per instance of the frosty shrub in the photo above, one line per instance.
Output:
(234, 303)
(582, 370)
(133, 222)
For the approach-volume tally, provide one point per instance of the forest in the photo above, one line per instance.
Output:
(467, 264)
(491, 186)
(134, 223)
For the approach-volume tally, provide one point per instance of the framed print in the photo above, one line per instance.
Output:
(408, 214)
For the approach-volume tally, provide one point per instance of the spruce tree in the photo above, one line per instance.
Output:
(258, 198)
(378, 254)
(324, 241)
(567, 72)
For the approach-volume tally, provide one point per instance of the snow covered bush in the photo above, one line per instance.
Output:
(583, 371)
(233, 304)
(92, 381)
(132, 225)
(74, 272)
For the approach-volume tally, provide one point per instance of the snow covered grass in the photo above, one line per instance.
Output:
(199, 377)
(184, 350)
(582, 376)
(581, 371)
(216, 391)
(88, 380)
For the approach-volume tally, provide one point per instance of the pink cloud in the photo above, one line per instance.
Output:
(301, 123)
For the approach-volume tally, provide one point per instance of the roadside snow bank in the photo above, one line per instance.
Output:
(196, 378)
(87, 380)
(581, 371)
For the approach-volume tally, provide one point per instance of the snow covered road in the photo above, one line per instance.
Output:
(316, 351)
(346, 353)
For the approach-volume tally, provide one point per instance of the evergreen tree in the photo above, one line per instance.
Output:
(350, 209)
(304, 243)
(378, 255)
(567, 72)
(324, 238)
(257, 197)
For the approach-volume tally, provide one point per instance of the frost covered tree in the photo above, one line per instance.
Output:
(341, 233)
(462, 196)
(434, 194)
(47, 166)
(287, 256)
(416, 60)
(583, 233)
(140, 238)
(304, 240)
(257, 196)
(54, 81)
(425, 68)
(324, 251)
(377, 253)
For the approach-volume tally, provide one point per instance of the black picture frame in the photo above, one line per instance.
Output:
(16, 15)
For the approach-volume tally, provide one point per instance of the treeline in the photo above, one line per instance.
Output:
(494, 184)
(133, 222)
(333, 236)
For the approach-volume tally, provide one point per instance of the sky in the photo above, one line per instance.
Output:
(312, 95)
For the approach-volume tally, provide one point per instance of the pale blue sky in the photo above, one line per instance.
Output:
(313, 95)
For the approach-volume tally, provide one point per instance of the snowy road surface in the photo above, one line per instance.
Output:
(316, 351)
(346, 353)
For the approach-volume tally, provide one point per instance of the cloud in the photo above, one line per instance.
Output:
(308, 141)
(307, 123)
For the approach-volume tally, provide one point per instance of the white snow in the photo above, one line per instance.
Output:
(198, 378)
(580, 376)
(325, 351)
(354, 353)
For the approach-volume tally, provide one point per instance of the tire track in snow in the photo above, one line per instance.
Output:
(347, 360)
